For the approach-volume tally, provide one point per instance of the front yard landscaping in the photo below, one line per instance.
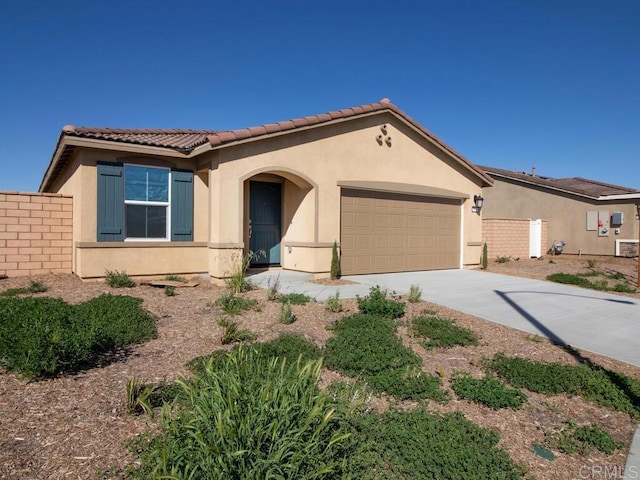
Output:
(378, 388)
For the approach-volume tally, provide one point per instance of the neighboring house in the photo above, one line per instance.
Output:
(590, 217)
(153, 202)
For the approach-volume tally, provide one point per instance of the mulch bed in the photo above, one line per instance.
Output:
(76, 426)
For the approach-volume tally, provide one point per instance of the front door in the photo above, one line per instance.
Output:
(265, 201)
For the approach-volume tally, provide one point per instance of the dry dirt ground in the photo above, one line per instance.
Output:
(75, 426)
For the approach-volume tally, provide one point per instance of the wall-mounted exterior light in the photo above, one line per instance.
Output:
(478, 201)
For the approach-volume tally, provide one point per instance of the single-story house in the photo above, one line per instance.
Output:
(153, 202)
(588, 216)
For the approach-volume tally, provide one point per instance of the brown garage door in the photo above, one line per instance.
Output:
(392, 232)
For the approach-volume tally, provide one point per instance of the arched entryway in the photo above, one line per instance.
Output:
(279, 205)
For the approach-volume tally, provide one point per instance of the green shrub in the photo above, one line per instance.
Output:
(273, 287)
(623, 288)
(233, 305)
(616, 276)
(144, 397)
(333, 303)
(335, 262)
(590, 273)
(295, 298)
(35, 286)
(595, 384)
(570, 279)
(487, 391)
(169, 291)
(485, 256)
(117, 279)
(44, 336)
(418, 445)
(581, 439)
(415, 294)
(286, 314)
(352, 397)
(503, 259)
(377, 303)
(591, 263)
(175, 278)
(366, 346)
(248, 417)
(442, 333)
(290, 346)
(237, 283)
(232, 333)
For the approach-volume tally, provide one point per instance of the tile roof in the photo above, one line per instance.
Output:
(185, 141)
(577, 185)
(181, 140)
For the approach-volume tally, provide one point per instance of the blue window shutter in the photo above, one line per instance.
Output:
(181, 206)
(110, 202)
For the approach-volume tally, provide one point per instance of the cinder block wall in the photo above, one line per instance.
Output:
(509, 237)
(35, 233)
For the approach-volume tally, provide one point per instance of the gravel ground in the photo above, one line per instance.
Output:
(76, 426)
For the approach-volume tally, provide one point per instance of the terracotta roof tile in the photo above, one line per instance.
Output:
(187, 140)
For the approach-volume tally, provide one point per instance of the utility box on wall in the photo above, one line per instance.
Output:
(617, 219)
(603, 223)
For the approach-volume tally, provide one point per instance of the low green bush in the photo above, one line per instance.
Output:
(582, 439)
(623, 288)
(418, 445)
(503, 259)
(35, 286)
(42, 336)
(442, 333)
(145, 397)
(294, 298)
(333, 303)
(366, 346)
(248, 417)
(232, 332)
(415, 294)
(377, 303)
(595, 384)
(487, 391)
(286, 315)
(233, 305)
(117, 279)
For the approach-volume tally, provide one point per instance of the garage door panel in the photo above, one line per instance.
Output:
(384, 232)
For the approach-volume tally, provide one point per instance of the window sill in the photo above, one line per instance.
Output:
(141, 244)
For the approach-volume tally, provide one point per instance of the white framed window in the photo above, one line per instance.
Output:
(146, 203)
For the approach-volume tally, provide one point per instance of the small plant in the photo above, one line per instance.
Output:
(377, 303)
(590, 273)
(616, 276)
(503, 259)
(169, 291)
(237, 283)
(118, 279)
(286, 315)
(551, 261)
(335, 262)
(535, 338)
(233, 305)
(415, 294)
(485, 256)
(623, 288)
(35, 286)
(600, 285)
(591, 263)
(273, 287)
(572, 439)
(232, 333)
(355, 397)
(295, 298)
(333, 303)
(175, 278)
(442, 333)
(487, 391)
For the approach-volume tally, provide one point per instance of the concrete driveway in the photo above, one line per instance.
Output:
(586, 319)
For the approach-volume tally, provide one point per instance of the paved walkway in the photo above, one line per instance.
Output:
(586, 319)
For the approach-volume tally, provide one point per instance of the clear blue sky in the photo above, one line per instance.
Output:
(509, 83)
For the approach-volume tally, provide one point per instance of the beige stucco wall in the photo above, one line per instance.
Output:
(312, 162)
(566, 216)
(308, 162)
